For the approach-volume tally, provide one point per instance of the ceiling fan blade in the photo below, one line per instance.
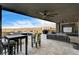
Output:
(55, 14)
(50, 15)
(41, 13)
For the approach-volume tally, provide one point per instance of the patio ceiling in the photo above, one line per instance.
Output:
(67, 12)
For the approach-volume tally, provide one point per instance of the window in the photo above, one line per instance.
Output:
(67, 29)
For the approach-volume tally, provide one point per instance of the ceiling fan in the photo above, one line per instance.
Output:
(47, 13)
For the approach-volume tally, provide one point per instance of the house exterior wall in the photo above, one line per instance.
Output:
(74, 25)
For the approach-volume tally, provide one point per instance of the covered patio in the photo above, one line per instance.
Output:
(66, 17)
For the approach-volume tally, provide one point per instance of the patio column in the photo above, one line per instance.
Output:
(0, 31)
(57, 27)
(77, 24)
(0, 21)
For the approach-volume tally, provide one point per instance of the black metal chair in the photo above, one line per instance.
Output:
(18, 42)
(1, 48)
(4, 46)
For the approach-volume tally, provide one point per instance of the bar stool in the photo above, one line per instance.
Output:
(17, 44)
(39, 39)
(12, 47)
(16, 41)
(32, 40)
(36, 40)
(1, 48)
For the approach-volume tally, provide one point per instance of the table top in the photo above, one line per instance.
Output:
(14, 36)
(27, 33)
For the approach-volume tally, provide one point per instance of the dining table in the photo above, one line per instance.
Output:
(29, 34)
(17, 37)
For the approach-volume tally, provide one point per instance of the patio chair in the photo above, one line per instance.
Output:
(4, 46)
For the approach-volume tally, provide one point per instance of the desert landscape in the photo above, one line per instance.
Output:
(5, 31)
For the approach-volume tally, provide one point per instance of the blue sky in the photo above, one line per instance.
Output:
(14, 20)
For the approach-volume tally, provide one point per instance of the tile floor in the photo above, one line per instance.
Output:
(51, 47)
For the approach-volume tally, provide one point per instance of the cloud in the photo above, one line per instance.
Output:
(43, 23)
(19, 24)
(29, 24)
